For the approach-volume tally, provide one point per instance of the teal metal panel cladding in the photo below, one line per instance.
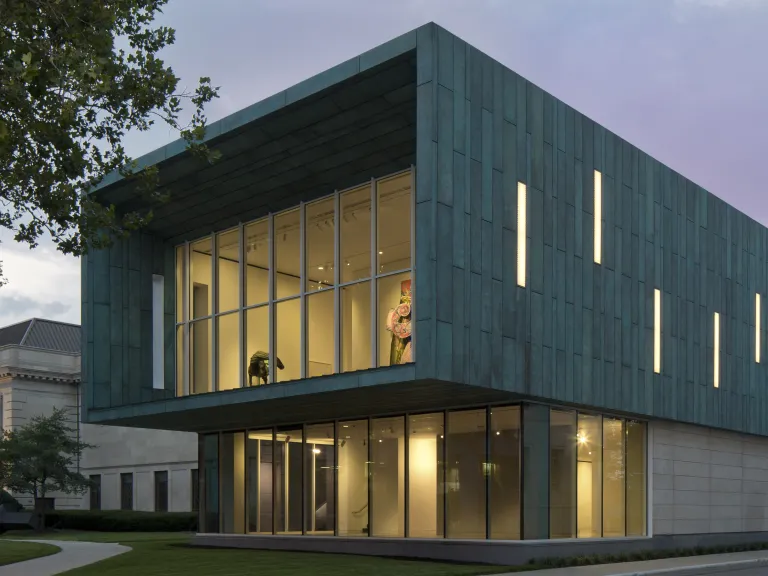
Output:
(117, 322)
(578, 332)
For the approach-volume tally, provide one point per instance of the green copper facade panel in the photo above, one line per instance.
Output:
(117, 322)
(579, 332)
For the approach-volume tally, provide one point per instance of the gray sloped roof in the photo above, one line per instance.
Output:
(43, 334)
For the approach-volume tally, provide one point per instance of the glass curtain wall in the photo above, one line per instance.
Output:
(503, 473)
(388, 477)
(315, 290)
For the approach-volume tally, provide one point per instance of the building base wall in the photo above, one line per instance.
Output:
(707, 480)
(498, 552)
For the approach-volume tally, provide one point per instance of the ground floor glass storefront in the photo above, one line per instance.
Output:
(504, 472)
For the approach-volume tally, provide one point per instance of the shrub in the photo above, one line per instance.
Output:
(122, 521)
(10, 503)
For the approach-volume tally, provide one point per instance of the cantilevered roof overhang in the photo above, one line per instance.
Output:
(380, 392)
(344, 126)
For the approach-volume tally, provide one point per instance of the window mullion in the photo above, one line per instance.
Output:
(374, 273)
(303, 352)
(271, 298)
(240, 304)
(413, 260)
(214, 303)
(185, 385)
(336, 282)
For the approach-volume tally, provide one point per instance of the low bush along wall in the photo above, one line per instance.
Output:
(122, 521)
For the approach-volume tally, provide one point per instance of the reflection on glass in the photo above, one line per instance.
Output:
(394, 319)
(179, 360)
(393, 214)
(320, 248)
(259, 466)
(636, 515)
(562, 474)
(320, 334)
(505, 473)
(201, 342)
(257, 262)
(287, 254)
(388, 477)
(319, 462)
(535, 472)
(233, 483)
(257, 368)
(353, 478)
(288, 464)
(180, 284)
(356, 327)
(355, 233)
(426, 486)
(589, 476)
(228, 359)
(466, 471)
(200, 274)
(613, 477)
(228, 270)
(210, 509)
(287, 341)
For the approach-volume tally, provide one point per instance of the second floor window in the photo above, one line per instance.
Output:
(321, 288)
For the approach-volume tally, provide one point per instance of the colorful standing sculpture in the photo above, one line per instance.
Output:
(259, 367)
(399, 323)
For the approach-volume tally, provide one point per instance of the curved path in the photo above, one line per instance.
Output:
(72, 555)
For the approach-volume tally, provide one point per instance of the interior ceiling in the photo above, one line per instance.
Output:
(360, 128)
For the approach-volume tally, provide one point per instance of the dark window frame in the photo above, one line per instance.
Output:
(126, 491)
(161, 483)
(95, 492)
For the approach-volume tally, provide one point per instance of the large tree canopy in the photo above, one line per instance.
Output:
(75, 77)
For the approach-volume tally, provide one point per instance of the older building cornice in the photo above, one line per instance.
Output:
(39, 375)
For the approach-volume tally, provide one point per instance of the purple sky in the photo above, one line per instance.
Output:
(683, 80)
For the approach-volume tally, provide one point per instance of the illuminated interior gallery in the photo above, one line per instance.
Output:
(465, 474)
(421, 307)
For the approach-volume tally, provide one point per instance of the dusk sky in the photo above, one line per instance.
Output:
(684, 80)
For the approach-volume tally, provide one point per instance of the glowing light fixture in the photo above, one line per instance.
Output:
(598, 207)
(521, 233)
(582, 438)
(657, 331)
(316, 450)
(717, 351)
(757, 328)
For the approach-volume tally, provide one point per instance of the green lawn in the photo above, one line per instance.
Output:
(11, 552)
(163, 554)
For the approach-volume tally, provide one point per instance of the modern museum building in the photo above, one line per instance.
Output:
(421, 307)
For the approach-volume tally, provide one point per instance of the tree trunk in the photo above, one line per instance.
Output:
(40, 506)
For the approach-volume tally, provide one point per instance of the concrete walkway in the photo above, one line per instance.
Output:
(686, 566)
(72, 555)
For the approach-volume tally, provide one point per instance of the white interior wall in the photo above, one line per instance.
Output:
(422, 460)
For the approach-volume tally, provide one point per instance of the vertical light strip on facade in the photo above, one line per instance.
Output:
(757, 328)
(521, 233)
(657, 331)
(598, 206)
(717, 351)
(158, 330)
